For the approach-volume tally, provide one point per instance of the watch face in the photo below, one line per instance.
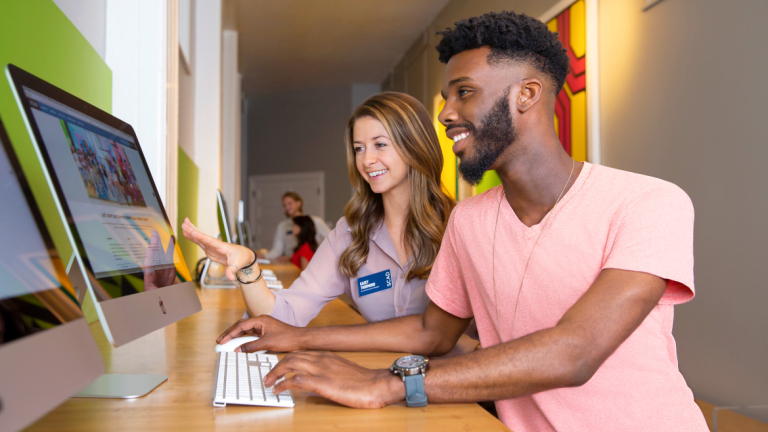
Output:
(409, 362)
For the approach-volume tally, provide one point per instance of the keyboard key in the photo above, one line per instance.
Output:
(240, 381)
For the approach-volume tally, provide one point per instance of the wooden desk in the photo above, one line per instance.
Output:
(184, 352)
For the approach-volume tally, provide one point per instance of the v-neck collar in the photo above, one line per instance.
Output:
(519, 227)
(380, 236)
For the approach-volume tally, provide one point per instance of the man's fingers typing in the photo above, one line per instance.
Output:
(231, 332)
(242, 326)
(301, 363)
(298, 381)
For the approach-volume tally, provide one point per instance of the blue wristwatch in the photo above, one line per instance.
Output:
(412, 370)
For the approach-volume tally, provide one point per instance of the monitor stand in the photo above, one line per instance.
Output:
(116, 386)
(218, 283)
(122, 386)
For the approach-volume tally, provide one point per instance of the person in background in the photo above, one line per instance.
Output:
(284, 243)
(304, 231)
(381, 252)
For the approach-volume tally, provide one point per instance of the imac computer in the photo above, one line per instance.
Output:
(47, 351)
(243, 228)
(222, 217)
(224, 235)
(125, 250)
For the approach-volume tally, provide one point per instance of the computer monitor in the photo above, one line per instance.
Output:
(47, 352)
(243, 230)
(224, 235)
(123, 242)
(221, 214)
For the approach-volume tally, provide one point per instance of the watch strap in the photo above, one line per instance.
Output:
(414, 391)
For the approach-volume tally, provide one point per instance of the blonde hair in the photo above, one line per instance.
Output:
(296, 197)
(415, 140)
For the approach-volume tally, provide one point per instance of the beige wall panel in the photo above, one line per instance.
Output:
(683, 98)
(417, 85)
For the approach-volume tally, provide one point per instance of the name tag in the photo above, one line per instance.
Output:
(374, 283)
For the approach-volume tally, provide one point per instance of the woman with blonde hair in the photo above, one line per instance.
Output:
(381, 252)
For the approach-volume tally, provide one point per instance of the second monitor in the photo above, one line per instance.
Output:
(122, 239)
(205, 278)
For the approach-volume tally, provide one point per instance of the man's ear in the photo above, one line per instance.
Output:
(529, 94)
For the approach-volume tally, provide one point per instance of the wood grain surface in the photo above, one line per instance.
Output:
(185, 352)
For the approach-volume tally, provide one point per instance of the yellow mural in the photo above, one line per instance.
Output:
(449, 176)
(571, 105)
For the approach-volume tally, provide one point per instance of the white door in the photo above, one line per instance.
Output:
(265, 205)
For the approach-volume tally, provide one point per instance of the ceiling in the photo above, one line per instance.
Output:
(288, 45)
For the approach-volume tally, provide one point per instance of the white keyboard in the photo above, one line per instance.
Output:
(240, 380)
(276, 284)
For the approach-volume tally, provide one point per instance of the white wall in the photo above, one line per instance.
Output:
(207, 132)
(90, 17)
(187, 82)
(136, 32)
(186, 29)
(230, 124)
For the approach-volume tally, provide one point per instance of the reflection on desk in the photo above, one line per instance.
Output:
(185, 352)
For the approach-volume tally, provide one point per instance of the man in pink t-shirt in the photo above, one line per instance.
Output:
(608, 220)
(570, 270)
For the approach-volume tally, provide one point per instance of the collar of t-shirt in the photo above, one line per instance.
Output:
(380, 236)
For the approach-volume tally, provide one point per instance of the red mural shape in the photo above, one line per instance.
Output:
(575, 80)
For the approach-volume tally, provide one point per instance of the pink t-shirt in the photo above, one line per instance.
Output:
(608, 219)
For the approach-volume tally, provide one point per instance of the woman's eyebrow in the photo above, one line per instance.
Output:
(374, 138)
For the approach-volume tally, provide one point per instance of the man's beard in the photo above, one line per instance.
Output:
(495, 134)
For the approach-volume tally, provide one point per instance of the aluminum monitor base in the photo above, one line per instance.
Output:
(122, 386)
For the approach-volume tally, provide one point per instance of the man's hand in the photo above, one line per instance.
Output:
(273, 335)
(229, 254)
(337, 379)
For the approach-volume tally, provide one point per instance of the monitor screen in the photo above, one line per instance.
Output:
(222, 217)
(105, 191)
(35, 293)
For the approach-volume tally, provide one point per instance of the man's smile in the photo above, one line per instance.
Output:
(459, 136)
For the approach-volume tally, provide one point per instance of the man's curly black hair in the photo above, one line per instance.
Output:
(510, 37)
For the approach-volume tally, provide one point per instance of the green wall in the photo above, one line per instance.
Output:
(187, 206)
(37, 37)
(490, 180)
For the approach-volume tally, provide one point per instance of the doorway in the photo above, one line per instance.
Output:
(265, 207)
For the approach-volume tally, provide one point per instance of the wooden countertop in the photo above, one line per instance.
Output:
(185, 352)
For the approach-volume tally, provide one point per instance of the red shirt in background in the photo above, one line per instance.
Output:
(304, 251)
